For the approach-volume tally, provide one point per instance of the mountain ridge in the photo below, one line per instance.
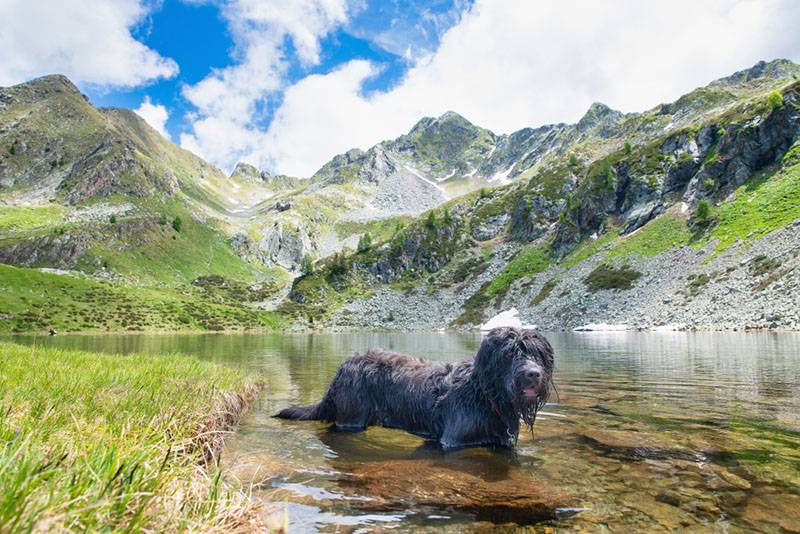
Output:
(99, 193)
(672, 160)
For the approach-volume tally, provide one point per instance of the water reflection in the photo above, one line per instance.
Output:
(652, 432)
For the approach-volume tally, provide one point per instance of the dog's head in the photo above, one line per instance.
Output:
(516, 366)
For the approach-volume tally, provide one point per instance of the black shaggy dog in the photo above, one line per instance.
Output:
(464, 404)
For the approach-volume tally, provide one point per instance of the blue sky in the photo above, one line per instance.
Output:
(288, 84)
(198, 39)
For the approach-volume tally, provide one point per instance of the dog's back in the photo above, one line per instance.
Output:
(381, 388)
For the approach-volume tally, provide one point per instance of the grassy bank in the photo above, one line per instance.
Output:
(35, 301)
(119, 443)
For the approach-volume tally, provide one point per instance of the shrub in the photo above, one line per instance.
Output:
(605, 175)
(762, 264)
(697, 283)
(112, 219)
(162, 220)
(628, 148)
(702, 211)
(338, 265)
(307, 266)
(573, 160)
(176, 224)
(430, 221)
(483, 192)
(446, 218)
(775, 100)
(608, 277)
(364, 243)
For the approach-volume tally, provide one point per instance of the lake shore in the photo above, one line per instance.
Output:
(97, 441)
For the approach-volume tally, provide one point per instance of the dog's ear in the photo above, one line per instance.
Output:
(538, 346)
(492, 355)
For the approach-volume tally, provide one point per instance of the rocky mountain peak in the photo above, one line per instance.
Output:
(41, 88)
(598, 115)
(245, 171)
(53, 82)
(761, 71)
(447, 119)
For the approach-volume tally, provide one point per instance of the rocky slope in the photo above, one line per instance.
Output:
(689, 223)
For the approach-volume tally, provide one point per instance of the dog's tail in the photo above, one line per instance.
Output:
(322, 411)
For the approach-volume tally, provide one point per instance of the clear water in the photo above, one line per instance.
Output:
(657, 431)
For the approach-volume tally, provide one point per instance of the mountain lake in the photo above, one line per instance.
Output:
(648, 432)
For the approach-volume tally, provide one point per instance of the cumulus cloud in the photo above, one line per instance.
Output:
(514, 63)
(88, 40)
(224, 127)
(155, 115)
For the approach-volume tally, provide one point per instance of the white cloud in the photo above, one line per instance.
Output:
(224, 128)
(514, 63)
(88, 40)
(155, 115)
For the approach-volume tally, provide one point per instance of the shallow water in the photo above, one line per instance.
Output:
(655, 431)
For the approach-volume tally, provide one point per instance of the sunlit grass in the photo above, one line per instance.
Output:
(13, 218)
(33, 301)
(764, 203)
(94, 442)
(528, 262)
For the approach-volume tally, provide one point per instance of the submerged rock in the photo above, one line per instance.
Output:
(517, 498)
(781, 510)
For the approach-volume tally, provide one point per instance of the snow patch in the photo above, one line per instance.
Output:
(60, 272)
(507, 318)
(452, 173)
(502, 177)
(669, 328)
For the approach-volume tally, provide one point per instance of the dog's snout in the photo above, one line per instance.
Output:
(533, 374)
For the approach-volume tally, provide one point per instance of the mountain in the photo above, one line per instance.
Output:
(462, 221)
(97, 197)
(682, 216)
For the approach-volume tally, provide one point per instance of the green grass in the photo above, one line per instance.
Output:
(33, 301)
(589, 249)
(527, 262)
(657, 236)
(381, 230)
(95, 442)
(161, 255)
(15, 218)
(764, 203)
